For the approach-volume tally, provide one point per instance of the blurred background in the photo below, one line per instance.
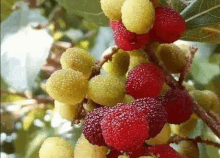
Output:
(35, 33)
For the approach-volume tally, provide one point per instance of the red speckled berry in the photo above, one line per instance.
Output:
(92, 128)
(125, 128)
(142, 151)
(156, 114)
(127, 40)
(113, 154)
(168, 26)
(178, 104)
(163, 151)
(146, 80)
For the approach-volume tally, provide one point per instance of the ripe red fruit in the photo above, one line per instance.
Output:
(163, 151)
(178, 104)
(113, 154)
(92, 128)
(146, 80)
(142, 151)
(168, 25)
(127, 40)
(125, 128)
(155, 113)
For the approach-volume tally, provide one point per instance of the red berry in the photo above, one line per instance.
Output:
(168, 25)
(146, 80)
(127, 40)
(178, 104)
(92, 128)
(125, 128)
(142, 151)
(156, 114)
(163, 151)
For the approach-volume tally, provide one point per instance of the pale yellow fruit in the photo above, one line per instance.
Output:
(66, 111)
(188, 149)
(137, 57)
(77, 59)
(128, 99)
(185, 128)
(84, 149)
(118, 66)
(138, 16)
(188, 86)
(89, 106)
(112, 8)
(173, 58)
(162, 137)
(67, 86)
(208, 100)
(123, 156)
(106, 90)
(55, 147)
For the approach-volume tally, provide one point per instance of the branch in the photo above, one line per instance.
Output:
(215, 116)
(198, 110)
(189, 60)
(176, 139)
(109, 53)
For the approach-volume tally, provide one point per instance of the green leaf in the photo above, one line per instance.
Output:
(6, 8)
(90, 10)
(215, 59)
(203, 71)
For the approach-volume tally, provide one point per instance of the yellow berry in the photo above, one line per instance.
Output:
(89, 106)
(188, 149)
(128, 99)
(138, 16)
(188, 86)
(84, 149)
(162, 137)
(118, 66)
(106, 90)
(173, 58)
(66, 111)
(77, 59)
(67, 86)
(112, 8)
(55, 147)
(123, 156)
(185, 128)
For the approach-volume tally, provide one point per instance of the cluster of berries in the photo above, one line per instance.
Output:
(126, 127)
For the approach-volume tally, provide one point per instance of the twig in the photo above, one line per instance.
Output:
(198, 110)
(189, 60)
(176, 139)
(97, 68)
(215, 116)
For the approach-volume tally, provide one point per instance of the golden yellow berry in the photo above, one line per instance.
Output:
(67, 86)
(112, 8)
(138, 16)
(77, 59)
(128, 99)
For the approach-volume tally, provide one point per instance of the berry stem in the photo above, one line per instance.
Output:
(176, 139)
(189, 60)
(198, 110)
(215, 116)
(96, 69)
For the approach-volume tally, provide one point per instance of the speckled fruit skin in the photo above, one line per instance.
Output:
(164, 151)
(143, 150)
(92, 128)
(178, 104)
(125, 128)
(127, 40)
(168, 25)
(146, 80)
(155, 113)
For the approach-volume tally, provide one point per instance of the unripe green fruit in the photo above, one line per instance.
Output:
(77, 59)
(138, 16)
(137, 57)
(208, 100)
(188, 149)
(106, 90)
(84, 149)
(162, 137)
(55, 147)
(67, 86)
(66, 111)
(185, 128)
(128, 99)
(173, 58)
(118, 66)
(112, 8)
